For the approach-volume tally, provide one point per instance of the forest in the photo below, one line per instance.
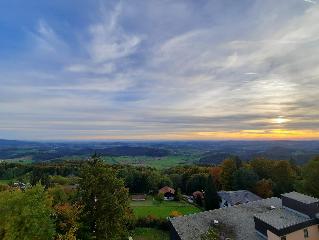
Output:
(90, 199)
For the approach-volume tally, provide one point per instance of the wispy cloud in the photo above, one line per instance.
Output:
(132, 70)
(310, 1)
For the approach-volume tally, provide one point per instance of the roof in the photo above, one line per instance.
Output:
(240, 218)
(138, 197)
(281, 218)
(198, 194)
(238, 197)
(166, 189)
(301, 197)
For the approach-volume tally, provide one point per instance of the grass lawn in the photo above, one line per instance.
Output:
(161, 210)
(149, 234)
(5, 181)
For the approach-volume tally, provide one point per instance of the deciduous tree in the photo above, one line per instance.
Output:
(310, 174)
(26, 215)
(263, 188)
(229, 167)
(244, 179)
(105, 202)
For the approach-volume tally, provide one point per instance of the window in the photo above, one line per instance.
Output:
(305, 232)
(283, 238)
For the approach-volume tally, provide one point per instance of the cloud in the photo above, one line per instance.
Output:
(251, 73)
(310, 1)
(134, 70)
(84, 68)
(47, 40)
(108, 47)
(109, 41)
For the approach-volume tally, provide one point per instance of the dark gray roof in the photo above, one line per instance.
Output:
(239, 217)
(301, 197)
(281, 218)
(238, 197)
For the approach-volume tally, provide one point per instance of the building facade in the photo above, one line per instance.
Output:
(294, 216)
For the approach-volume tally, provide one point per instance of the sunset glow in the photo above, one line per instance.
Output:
(280, 120)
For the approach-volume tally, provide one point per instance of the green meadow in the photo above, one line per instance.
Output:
(156, 162)
(161, 210)
(5, 181)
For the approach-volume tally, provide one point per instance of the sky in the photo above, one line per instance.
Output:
(159, 69)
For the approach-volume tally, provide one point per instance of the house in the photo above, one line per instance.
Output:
(168, 192)
(139, 197)
(231, 198)
(294, 217)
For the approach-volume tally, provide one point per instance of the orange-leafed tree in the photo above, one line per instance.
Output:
(67, 220)
(263, 188)
(216, 173)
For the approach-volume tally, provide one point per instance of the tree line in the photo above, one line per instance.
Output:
(98, 207)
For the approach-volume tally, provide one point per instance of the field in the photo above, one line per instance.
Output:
(156, 162)
(22, 160)
(149, 234)
(161, 210)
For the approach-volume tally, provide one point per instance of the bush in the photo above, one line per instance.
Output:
(175, 214)
(152, 221)
(159, 197)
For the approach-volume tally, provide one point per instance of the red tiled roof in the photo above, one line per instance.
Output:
(166, 189)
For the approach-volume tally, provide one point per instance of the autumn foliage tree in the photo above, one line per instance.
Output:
(67, 223)
(263, 188)
(216, 172)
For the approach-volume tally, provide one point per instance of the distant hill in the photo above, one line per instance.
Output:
(14, 143)
(299, 151)
(213, 158)
(44, 151)
(202, 152)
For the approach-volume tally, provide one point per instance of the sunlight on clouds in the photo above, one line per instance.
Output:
(280, 120)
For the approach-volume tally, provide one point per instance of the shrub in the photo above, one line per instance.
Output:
(175, 214)
(159, 197)
(152, 221)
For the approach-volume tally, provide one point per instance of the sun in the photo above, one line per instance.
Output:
(280, 120)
